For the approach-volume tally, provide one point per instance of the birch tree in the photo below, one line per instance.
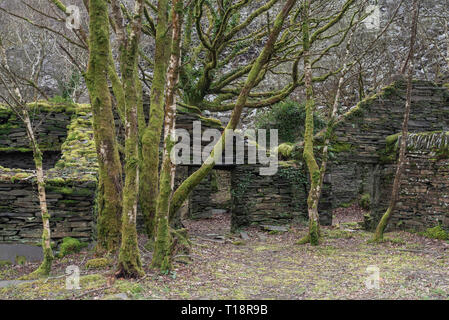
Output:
(15, 87)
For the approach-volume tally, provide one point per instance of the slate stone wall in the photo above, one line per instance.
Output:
(359, 165)
(71, 211)
(273, 200)
(424, 194)
(359, 147)
(70, 182)
(51, 128)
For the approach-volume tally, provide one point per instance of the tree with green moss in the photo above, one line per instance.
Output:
(129, 264)
(220, 46)
(315, 172)
(408, 67)
(191, 182)
(163, 239)
(308, 153)
(327, 133)
(110, 184)
(217, 35)
(151, 133)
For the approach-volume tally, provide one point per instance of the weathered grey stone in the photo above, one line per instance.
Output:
(274, 228)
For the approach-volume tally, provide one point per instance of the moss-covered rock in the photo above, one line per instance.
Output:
(342, 147)
(285, 150)
(99, 263)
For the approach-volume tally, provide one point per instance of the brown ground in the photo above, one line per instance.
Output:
(268, 266)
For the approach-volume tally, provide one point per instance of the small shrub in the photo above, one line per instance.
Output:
(21, 260)
(365, 201)
(436, 232)
(70, 245)
(288, 117)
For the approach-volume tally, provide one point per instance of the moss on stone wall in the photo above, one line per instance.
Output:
(285, 150)
(435, 141)
(78, 150)
(70, 185)
(338, 147)
(53, 117)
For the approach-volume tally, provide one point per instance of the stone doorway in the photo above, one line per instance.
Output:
(212, 196)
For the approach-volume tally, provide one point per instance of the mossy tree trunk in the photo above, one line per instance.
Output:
(151, 136)
(308, 154)
(333, 116)
(110, 185)
(409, 66)
(129, 262)
(163, 242)
(182, 192)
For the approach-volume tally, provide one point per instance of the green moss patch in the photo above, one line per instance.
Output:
(436, 232)
(365, 201)
(70, 245)
(21, 260)
(5, 263)
(99, 263)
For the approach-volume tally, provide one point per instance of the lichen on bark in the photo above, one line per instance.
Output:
(151, 135)
(110, 170)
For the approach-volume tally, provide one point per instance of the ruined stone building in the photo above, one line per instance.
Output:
(362, 164)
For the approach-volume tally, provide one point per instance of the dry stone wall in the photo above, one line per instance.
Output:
(362, 164)
(274, 200)
(70, 182)
(424, 195)
(50, 125)
(70, 209)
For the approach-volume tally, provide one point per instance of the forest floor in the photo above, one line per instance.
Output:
(268, 265)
